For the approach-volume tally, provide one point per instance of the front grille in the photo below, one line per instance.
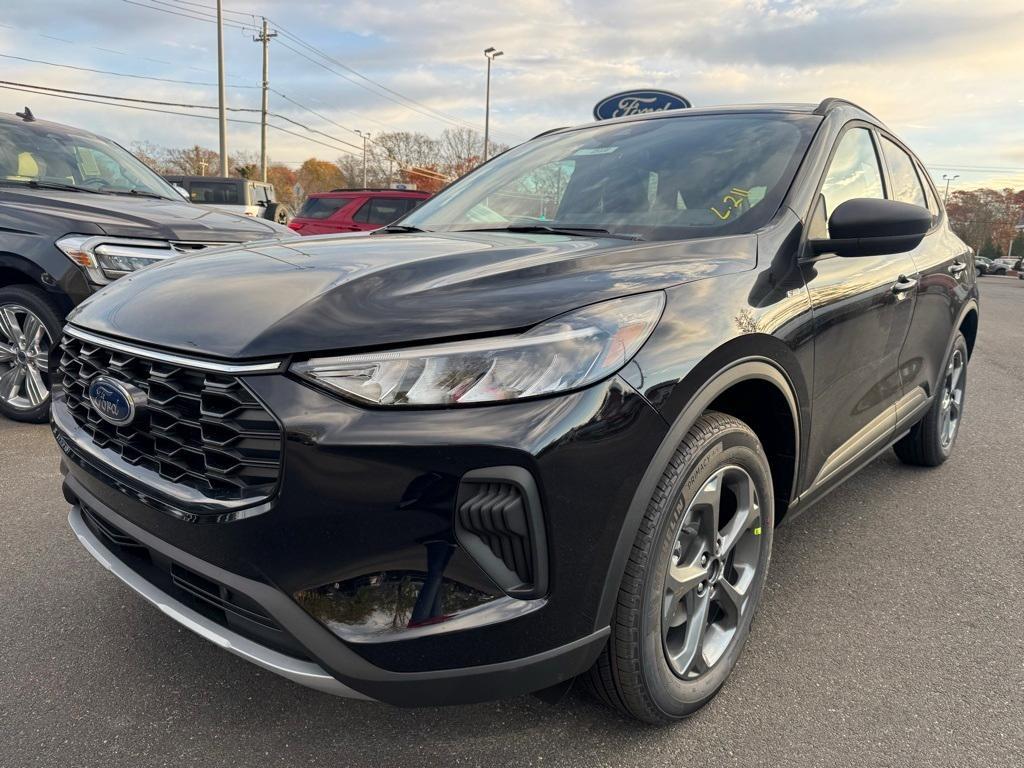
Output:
(203, 430)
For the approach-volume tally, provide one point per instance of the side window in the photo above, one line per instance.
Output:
(384, 210)
(929, 194)
(363, 214)
(854, 172)
(906, 186)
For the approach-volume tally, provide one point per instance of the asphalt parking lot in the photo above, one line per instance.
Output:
(892, 634)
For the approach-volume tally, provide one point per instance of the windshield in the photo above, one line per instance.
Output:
(38, 154)
(663, 179)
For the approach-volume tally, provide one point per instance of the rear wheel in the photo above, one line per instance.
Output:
(930, 442)
(30, 324)
(694, 577)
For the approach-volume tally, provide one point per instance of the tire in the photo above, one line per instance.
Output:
(930, 442)
(277, 213)
(24, 362)
(638, 672)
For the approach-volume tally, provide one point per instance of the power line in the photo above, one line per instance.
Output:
(389, 93)
(139, 107)
(118, 74)
(190, 15)
(183, 105)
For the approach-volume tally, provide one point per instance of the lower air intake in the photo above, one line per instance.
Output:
(498, 521)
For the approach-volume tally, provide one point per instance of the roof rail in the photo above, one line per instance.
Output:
(373, 189)
(827, 105)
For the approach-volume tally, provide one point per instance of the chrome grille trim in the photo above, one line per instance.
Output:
(198, 364)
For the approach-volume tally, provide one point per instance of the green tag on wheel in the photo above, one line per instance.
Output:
(757, 531)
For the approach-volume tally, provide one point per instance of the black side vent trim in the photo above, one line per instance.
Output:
(498, 521)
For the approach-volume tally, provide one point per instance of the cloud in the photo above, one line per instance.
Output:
(942, 73)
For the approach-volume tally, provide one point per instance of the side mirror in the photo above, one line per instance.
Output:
(181, 191)
(870, 227)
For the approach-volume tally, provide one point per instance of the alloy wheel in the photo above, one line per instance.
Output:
(952, 399)
(24, 358)
(714, 561)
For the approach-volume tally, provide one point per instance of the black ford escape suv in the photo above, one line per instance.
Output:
(543, 427)
(76, 212)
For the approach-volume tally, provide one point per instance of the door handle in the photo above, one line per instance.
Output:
(957, 268)
(904, 284)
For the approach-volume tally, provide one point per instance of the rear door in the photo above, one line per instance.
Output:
(862, 309)
(378, 212)
(944, 282)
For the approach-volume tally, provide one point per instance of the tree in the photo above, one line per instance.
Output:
(151, 154)
(319, 176)
(1018, 245)
(978, 215)
(283, 179)
(989, 250)
(192, 161)
(426, 178)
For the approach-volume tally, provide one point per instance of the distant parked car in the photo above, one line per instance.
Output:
(78, 212)
(1002, 266)
(982, 265)
(245, 196)
(354, 210)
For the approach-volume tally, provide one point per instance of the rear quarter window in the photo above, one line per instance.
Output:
(322, 207)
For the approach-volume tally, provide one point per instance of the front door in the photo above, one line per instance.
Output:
(862, 309)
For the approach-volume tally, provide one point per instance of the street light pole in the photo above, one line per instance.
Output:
(490, 54)
(220, 88)
(948, 179)
(264, 37)
(365, 136)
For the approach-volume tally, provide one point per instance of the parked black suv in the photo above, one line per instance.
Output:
(76, 212)
(474, 454)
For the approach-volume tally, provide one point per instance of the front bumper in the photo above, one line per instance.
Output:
(362, 491)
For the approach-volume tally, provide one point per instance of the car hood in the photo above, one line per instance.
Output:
(136, 217)
(334, 293)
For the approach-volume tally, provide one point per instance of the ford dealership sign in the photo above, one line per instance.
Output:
(637, 103)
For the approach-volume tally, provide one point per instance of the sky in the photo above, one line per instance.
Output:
(948, 77)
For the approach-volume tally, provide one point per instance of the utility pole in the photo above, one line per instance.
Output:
(366, 137)
(490, 54)
(948, 179)
(264, 37)
(220, 89)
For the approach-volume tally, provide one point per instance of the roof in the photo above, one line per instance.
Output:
(45, 125)
(378, 190)
(822, 108)
(187, 177)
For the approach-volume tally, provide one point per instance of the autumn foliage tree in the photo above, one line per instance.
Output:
(319, 176)
(982, 215)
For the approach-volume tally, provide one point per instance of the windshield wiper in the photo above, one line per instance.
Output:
(136, 192)
(35, 184)
(399, 228)
(547, 229)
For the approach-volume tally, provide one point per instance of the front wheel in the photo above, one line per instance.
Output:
(694, 576)
(30, 325)
(930, 442)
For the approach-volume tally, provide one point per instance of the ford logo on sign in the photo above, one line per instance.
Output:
(637, 103)
(114, 401)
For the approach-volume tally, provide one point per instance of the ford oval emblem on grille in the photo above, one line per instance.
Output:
(114, 401)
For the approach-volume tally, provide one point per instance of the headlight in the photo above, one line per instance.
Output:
(570, 351)
(108, 258)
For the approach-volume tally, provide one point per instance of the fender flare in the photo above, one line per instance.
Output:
(743, 369)
(971, 305)
(27, 267)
